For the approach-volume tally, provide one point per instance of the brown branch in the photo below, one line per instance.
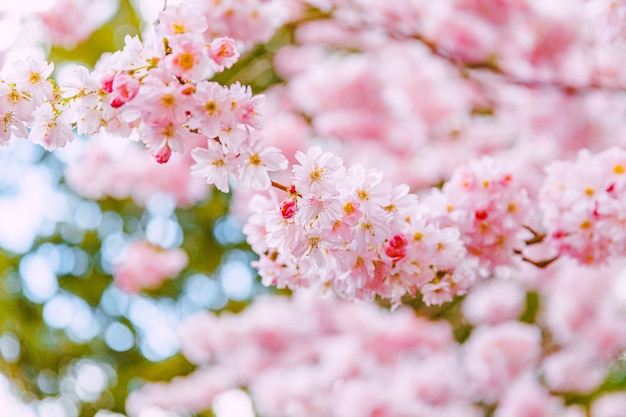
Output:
(538, 264)
(466, 68)
(537, 237)
(280, 186)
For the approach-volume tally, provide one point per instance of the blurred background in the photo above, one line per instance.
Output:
(71, 343)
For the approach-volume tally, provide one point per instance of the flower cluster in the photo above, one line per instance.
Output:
(349, 230)
(306, 356)
(488, 206)
(583, 207)
(160, 89)
(26, 109)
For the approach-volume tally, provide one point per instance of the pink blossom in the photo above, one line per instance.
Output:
(396, 247)
(143, 265)
(258, 163)
(31, 76)
(246, 108)
(213, 165)
(581, 205)
(317, 171)
(496, 356)
(489, 207)
(609, 405)
(162, 102)
(574, 369)
(124, 88)
(109, 166)
(494, 302)
(212, 111)
(526, 397)
(70, 22)
(181, 19)
(48, 130)
(187, 59)
(223, 53)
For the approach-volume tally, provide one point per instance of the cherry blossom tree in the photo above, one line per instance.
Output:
(431, 193)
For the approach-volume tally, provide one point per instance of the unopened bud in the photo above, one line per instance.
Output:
(288, 209)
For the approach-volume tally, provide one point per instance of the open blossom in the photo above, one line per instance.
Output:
(85, 108)
(258, 163)
(31, 76)
(213, 165)
(181, 19)
(188, 58)
(166, 134)
(48, 130)
(246, 108)
(318, 171)
(223, 53)
(142, 265)
(212, 112)
(162, 101)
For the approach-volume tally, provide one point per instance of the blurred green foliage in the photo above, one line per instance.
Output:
(107, 38)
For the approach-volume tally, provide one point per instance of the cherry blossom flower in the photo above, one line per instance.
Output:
(31, 76)
(48, 130)
(213, 165)
(142, 265)
(181, 19)
(257, 163)
(188, 58)
(223, 53)
(318, 172)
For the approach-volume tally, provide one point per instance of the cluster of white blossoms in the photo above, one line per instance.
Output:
(162, 90)
(349, 230)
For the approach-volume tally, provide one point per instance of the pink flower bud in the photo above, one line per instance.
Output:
(288, 209)
(481, 214)
(124, 89)
(396, 247)
(107, 83)
(163, 154)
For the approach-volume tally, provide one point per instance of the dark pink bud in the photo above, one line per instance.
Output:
(558, 234)
(481, 214)
(124, 89)
(107, 83)
(396, 247)
(163, 155)
(288, 209)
